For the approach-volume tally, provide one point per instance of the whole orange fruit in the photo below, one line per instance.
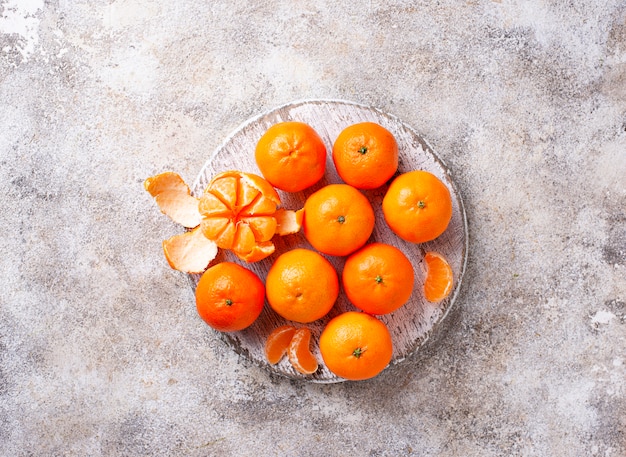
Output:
(356, 346)
(365, 155)
(301, 285)
(378, 278)
(417, 206)
(229, 297)
(291, 156)
(338, 219)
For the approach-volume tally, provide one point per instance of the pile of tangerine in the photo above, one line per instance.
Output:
(241, 212)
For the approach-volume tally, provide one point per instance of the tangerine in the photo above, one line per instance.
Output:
(439, 278)
(291, 156)
(365, 155)
(239, 213)
(338, 219)
(356, 346)
(301, 285)
(378, 278)
(229, 297)
(417, 206)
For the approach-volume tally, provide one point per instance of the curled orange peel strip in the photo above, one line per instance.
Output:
(174, 198)
(190, 252)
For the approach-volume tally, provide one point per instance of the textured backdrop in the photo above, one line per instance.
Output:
(101, 349)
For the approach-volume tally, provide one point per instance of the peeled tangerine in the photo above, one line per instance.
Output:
(238, 211)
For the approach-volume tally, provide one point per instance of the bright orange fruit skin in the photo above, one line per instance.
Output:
(291, 156)
(229, 297)
(302, 286)
(356, 346)
(338, 219)
(439, 278)
(417, 206)
(378, 278)
(365, 155)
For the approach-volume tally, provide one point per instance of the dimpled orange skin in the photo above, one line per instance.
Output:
(338, 219)
(365, 155)
(291, 156)
(417, 206)
(302, 285)
(229, 297)
(378, 278)
(356, 346)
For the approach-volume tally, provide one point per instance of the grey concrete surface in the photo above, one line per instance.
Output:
(101, 350)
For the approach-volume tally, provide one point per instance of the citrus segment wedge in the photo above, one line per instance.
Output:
(300, 354)
(277, 343)
(439, 279)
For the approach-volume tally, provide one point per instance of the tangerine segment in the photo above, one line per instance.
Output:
(277, 343)
(365, 155)
(302, 286)
(300, 354)
(291, 156)
(417, 206)
(378, 278)
(174, 198)
(190, 252)
(229, 297)
(338, 219)
(439, 279)
(356, 346)
(238, 211)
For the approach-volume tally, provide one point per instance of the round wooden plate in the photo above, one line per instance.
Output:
(411, 325)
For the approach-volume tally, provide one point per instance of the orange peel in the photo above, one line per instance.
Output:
(288, 222)
(174, 198)
(238, 211)
(190, 252)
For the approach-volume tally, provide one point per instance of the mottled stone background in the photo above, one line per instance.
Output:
(101, 349)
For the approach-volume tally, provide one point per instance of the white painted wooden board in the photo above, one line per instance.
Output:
(412, 324)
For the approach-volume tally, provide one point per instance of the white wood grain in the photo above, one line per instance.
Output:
(412, 324)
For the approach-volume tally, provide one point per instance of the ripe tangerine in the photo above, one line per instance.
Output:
(338, 219)
(229, 297)
(365, 155)
(417, 206)
(302, 285)
(378, 278)
(291, 156)
(356, 346)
